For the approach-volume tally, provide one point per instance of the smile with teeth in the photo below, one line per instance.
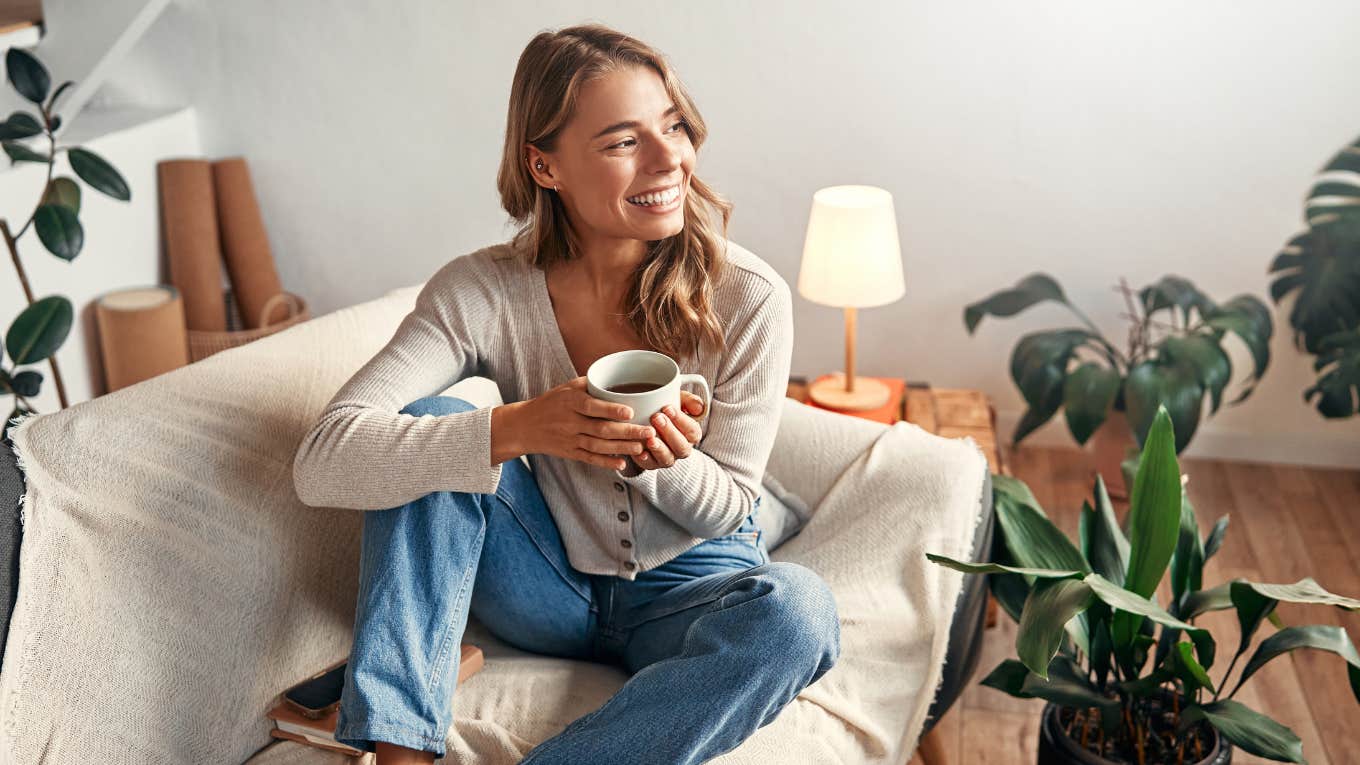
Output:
(659, 199)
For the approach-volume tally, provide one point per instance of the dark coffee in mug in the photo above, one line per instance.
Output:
(632, 387)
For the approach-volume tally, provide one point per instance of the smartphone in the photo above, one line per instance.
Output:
(316, 696)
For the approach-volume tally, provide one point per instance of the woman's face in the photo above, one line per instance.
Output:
(625, 139)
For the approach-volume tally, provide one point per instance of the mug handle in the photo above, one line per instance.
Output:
(702, 383)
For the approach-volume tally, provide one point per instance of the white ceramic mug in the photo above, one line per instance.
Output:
(643, 367)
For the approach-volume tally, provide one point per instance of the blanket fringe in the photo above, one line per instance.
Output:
(17, 425)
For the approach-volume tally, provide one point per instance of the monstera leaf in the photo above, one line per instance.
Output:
(1337, 386)
(1320, 267)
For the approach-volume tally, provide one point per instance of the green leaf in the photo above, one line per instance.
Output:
(1171, 292)
(1252, 607)
(27, 75)
(100, 174)
(1088, 393)
(39, 330)
(60, 230)
(27, 383)
(1306, 590)
(1035, 288)
(1215, 539)
(1202, 354)
(1010, 590)
(1319, 267)
(1108, 550)
(63, 191)
(1246, 729)
(1132, 604)
(1248, 318)
(1319, 637)
(19, 153)
(1187, 561)
(1338, 365)
(1039, 369)
(1203, 601)
(1154, 509)
(1189, 669)
(1013, 489)
(1035, 542)
(1052, 603)
(55, 95)
(1065, 684)
(20, 125)
(995, 568)
(1154, 384)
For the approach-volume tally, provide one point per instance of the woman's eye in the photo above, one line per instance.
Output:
(622, 144)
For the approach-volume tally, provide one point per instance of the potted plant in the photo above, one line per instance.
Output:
(1126, 680)
(1112, 394)
(1321, 268)
(40, 329)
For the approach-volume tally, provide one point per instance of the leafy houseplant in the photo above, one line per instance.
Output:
(41, 328)
(1175, 368)
(1089, 623)
(1322, 266)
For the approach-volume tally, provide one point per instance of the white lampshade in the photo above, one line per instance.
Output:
(851, 257)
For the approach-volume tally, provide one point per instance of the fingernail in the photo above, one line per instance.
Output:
(659, 418)
(648, 433)
(653, 443)
(670, 410)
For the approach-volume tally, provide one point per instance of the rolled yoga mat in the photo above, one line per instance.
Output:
(189, 216)
(141, 334)
(245, 244)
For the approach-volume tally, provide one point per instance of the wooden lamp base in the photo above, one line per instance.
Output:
(830, 392)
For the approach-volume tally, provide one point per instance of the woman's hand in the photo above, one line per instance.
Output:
(677, 433)
(567, 421)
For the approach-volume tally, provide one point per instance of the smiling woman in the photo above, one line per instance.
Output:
(615, 541)
(603, 160)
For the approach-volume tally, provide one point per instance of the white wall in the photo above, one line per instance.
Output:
(1076, 138)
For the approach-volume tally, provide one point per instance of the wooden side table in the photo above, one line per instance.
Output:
(947, 412)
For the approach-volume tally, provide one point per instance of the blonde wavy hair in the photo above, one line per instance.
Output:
(671, 293)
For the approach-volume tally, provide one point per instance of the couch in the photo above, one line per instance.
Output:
(171, 584)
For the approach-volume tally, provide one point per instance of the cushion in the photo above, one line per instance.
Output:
(171, 583)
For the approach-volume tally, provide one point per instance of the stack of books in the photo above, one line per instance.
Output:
(292, 724)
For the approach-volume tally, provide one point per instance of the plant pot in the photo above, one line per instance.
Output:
(1057, 748)
(1109, 445)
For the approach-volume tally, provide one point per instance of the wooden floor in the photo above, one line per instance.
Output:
(1287, 522)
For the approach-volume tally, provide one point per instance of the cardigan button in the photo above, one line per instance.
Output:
(628, 564)
(623, 515)
(618, 486)
(625, 543)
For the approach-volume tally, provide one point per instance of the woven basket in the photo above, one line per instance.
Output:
(203, 343)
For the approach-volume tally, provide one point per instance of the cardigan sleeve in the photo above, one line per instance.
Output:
(710, 492)
(363, 453)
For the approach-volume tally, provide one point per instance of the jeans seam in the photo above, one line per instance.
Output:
(541, 549)
(447, 638)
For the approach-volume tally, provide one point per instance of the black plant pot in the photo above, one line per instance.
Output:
(1058, 748)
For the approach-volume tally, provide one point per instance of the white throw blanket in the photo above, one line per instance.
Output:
(171, 584)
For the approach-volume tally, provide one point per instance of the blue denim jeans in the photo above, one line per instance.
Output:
(716, 641)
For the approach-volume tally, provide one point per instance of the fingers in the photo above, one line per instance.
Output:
(607, 410)
(619, 430)
(670, 442)
(691, 403)
(599, 460)
(607, 446)
(658, 454)
(686, 430)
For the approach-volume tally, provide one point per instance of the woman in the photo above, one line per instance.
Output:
(627, 544)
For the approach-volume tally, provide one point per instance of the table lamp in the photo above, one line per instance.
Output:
(851, 260)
